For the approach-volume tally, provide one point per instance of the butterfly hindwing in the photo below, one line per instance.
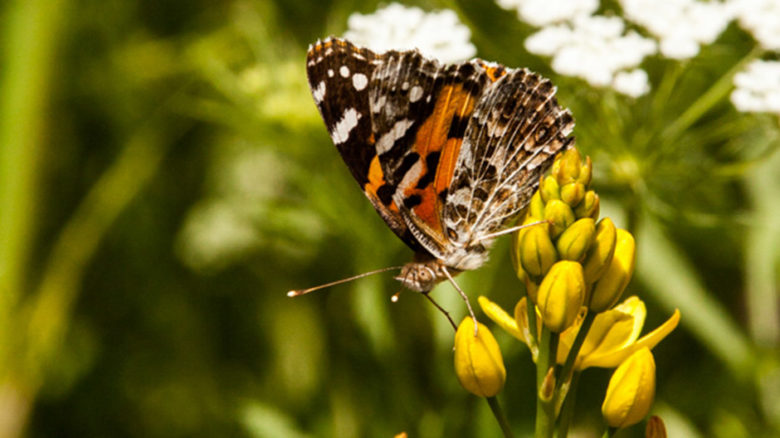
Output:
(513, 135)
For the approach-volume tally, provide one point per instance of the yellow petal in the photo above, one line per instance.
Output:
(650, 340)
(500, 317)
(561, 295)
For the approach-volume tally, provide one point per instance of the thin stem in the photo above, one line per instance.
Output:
(568, 366)
(545, 412)
(500, 417)
(567, 410)
(707, 100)
(530, 309)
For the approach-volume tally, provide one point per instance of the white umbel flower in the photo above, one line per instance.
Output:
(593, 48)
(631, 83)
(681, 26)
(758, 88)
(543, 12)
(437, 35)
(762, 19)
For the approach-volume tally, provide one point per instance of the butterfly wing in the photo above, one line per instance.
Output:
(420, 111)
(339, 74)
(511, 140)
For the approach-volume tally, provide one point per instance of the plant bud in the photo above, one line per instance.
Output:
(655, 428)
(549, 189)
(575, 241)
(572, 193)
(586, 172)
(536, 251)
(631, 390)
(536, 207)
(561, 295)
(569, 168)
(560, 215)
(608, 289)
(589, 207)
(478, 362)
(601, 251)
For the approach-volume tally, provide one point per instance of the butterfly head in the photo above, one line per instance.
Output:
(422, 276)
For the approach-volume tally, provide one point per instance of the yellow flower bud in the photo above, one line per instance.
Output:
(561, 295)
(569, 168)
(559, 214)
(478, 362)
(631, 390)
(600, 253)
(536, 251)
(547, 389)
(589, 207)
(576, 240)
(572, 193)
(549, 189)
(536, 207)
(608, 289)
(655, 428)
(586, 172)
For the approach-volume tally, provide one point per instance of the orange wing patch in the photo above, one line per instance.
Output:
(438, 143)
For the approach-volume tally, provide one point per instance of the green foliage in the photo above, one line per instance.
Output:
(165, 179)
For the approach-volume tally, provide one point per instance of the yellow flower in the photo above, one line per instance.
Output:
(631, 390)
(613, 336)
(478, 362)
(561, 294)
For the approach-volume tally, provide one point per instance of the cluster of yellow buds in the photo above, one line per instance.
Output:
(575, 268)
(569, 259)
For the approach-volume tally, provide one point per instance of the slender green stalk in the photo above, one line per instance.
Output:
(567, 410)
(568, 366)
(545, 409)
(500, 417)
(530, 309)
(712, 96)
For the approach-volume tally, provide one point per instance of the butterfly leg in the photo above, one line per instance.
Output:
(441, 309)
(463, 295)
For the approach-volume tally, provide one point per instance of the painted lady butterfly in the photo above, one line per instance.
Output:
(447, 154)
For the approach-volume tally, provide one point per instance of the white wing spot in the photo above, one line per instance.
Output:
(344, 71)
(348, 121)
(386, 141)
(319, 92)
(415, 93)
(330, 73)
(359, 80)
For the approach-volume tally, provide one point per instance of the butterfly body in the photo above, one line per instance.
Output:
(446, 154)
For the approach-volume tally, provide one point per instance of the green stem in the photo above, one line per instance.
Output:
(568, 366)
(567, 410)
(610, 432)
(545, 409)
(530, 310)
(707, 100)
(500, 417)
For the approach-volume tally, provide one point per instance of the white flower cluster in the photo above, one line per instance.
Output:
(681, 26)
(597, 49)
(543, 12)
(758, 88)
(439, 35)
(762, 19)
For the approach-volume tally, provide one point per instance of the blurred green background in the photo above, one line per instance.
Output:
(165, 179)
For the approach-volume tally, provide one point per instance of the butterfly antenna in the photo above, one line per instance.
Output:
(511, 230)
(395, 296)
(463, 295)
(299, 292)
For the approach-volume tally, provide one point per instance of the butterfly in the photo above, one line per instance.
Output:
(448, 154)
